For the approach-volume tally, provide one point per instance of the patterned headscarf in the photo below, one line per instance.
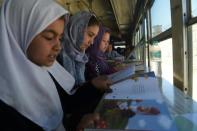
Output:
(73, 59)
(97, 59)
(94, 52)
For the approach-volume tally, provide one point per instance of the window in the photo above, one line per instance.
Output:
(141, 32)
(161, 59)
(160, 16)
(136, 39)
(194, 8)
(138, 36)
(139, 52)
(121, 46)
(145, 29)
(193, 30)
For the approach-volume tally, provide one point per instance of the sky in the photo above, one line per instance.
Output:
(161, 14)
(194, 7)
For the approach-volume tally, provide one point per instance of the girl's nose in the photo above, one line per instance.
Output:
(58, 46)
(91, 41)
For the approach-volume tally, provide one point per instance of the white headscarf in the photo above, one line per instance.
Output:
(23, 85)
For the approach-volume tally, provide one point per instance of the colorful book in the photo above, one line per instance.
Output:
(134, 115)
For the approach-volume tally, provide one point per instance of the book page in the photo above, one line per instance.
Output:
(142, 88)
(140, 67)
(122, 74)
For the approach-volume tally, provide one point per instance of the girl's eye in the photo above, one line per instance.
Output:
(48, 37)
(61, 39)
(90, 35)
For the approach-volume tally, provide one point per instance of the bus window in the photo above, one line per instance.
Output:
(160, 24)
(161, 59)
(194, 8)
(194, 60)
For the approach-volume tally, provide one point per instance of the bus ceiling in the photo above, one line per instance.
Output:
(118, 15)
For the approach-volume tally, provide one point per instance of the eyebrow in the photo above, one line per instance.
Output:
(92, 33)
(51, 31)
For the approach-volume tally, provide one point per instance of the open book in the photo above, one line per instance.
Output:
(138, 88)
(122, 74)
(139, 67)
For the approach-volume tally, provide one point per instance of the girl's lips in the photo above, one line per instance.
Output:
(52, 57)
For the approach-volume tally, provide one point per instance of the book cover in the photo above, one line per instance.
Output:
(136, 115)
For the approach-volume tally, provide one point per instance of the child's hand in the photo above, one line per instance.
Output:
(88, 121)
(101, 82)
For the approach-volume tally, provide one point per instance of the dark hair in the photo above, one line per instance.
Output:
(93, 21)
(62, 17)
(111, 42)
(107, 30)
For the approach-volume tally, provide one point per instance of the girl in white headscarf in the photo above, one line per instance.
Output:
(29, 44)
(34, 87)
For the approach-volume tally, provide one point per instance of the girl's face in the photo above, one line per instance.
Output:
(89, 35)
(104, 42)
(45, 47)
(109, 48)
